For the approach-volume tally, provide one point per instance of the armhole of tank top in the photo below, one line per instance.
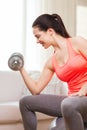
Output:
(53, 60)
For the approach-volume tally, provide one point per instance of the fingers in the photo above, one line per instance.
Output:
(78, 94)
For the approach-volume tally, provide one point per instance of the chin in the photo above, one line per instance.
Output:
(45, 47)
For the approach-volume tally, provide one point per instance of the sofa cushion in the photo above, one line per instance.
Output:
(12, 86)
(9, 112)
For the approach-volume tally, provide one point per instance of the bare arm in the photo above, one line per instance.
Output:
(81, 45)
(35, 87)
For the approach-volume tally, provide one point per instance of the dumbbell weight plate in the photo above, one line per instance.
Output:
(16, 61)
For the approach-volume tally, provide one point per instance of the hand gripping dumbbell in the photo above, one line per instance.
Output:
(16, 61)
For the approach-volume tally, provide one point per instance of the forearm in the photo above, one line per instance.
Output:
(30, 83)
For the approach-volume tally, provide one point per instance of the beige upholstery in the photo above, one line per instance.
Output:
(12, 88)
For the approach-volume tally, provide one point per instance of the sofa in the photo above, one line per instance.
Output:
(12, 89)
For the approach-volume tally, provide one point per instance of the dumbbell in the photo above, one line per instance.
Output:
(16, 61)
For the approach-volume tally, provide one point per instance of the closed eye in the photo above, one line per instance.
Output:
(37, 36)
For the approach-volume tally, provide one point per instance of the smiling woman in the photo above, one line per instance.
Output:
(69, 53)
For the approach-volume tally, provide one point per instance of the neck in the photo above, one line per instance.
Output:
(60, 43)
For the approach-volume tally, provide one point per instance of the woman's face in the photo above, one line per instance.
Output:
(43, 37)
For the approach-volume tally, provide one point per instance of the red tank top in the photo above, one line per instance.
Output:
(74, 72)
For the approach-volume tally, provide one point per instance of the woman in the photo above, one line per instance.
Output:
(69, 62)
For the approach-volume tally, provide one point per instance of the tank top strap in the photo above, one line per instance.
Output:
(70, 49)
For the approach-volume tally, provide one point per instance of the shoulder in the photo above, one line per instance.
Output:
(78, 42)
(78, 39)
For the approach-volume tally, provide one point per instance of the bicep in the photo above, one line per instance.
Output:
(45, 76)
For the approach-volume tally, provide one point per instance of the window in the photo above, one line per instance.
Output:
(81, 19)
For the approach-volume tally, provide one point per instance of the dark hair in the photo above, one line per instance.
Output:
(54, 21)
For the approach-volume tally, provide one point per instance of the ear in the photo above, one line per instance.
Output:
(50, 31)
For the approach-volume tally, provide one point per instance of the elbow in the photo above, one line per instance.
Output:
(36, 92)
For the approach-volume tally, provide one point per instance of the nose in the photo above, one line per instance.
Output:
(37, 41)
